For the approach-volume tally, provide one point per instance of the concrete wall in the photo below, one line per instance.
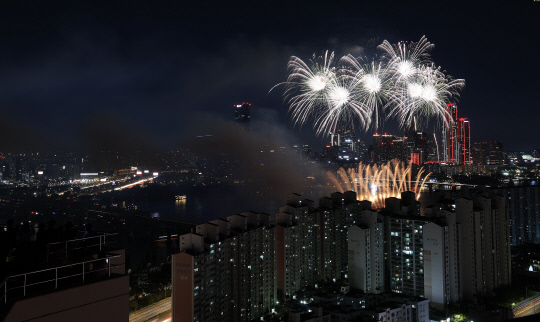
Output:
(182, 286)
(102, 301)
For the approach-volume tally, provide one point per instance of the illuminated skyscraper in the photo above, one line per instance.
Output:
(464, 139)
(242, 115)
(457, 137)
(343, 145)
(421, 147)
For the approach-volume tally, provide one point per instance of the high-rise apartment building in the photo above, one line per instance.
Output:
(242, 115)
(366, 253)
(524, 211)
(458, 248)
(334, 216)
(238, 269)
(406, 258)
(226, 270)
(442, 279)
(312, 243)
(295, 246)
(449, 254)
(485, 244)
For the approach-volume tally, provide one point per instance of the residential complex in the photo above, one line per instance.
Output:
(242, 267)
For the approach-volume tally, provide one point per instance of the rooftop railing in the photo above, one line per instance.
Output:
(64, 247)
(57, 277)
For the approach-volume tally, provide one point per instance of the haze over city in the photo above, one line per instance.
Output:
(141, 71)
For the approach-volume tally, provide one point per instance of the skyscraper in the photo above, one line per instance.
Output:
(343, 145)
(450, 134)
(387, 147)
(496, 155)
(456, 140)
(421, 147)
(488, 153)
(464, 139)
(242, 115)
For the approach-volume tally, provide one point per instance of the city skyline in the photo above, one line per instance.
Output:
(80, 74)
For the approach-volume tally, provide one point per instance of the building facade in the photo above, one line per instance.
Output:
(485, 244)
(387, 147)
(524, 212)
(366, 253)
(226, 271)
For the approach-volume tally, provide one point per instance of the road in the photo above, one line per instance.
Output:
(157, 312)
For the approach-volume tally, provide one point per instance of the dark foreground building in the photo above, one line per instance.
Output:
(77, 280)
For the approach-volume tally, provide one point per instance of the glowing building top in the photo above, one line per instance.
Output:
(457, 141)
(242, 115)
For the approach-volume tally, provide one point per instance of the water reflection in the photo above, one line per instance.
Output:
(180, 207)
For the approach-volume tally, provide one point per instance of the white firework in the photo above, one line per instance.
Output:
(372, 79)
(419, 90)
(426, 96)
(404, 58)
(404, 84)
(342, 106)
(307, 86)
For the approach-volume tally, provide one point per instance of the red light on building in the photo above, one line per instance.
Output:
(415, 158)
(457, 137)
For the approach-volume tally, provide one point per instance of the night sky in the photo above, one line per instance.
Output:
(139, 74)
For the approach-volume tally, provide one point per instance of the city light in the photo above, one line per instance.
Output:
(133, 184)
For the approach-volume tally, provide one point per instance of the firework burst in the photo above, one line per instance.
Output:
(321, 92)
(378, 182)
(404, 58)
(404, 84)
(419, 89)
(343, 106)
(307, 87)
(373, 82)
(425, 96)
